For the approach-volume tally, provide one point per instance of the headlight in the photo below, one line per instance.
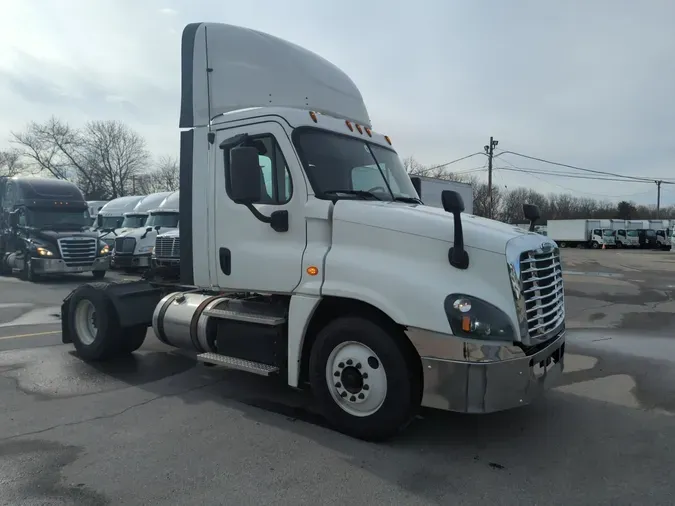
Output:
(474, 318)
(43, 252)
(153, 251)
(105, 249)
(146, 249)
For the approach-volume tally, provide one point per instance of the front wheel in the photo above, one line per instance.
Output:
(27, 273)
(365, 383)
(595, 245)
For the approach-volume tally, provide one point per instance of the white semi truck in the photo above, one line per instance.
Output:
(134, 247)
(111, 216)
(588, 233)
(375, 301)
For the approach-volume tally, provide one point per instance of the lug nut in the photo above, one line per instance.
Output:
(361, 396)
(343, 394)
(338, 385)
(358, 366)
(366, 387)
(352, 398)
(341, 365)
(337, 373)
(349, 362)
(364, 375)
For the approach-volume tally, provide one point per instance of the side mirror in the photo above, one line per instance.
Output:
(417, 183)
(245, 175)
(531, 213)
(453, 203)
(14, 219)
(149, 229)
(99, 221)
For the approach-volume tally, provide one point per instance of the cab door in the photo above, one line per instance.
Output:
(250, 254)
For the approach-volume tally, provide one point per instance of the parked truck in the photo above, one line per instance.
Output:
(624, 236)
(133, 248)
(587, 233)
(45, 230)
(376, 302)
(111, 216)
(661, 229)
(94, 207)
(165, 261)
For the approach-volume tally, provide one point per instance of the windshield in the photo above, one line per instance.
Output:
(111, 221)
(162, 220)
(650, 232)
(134, 220)
(56, 219)
(336, 163)
(632, 233)
(608, 233)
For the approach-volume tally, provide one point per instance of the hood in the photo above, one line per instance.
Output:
(54, 235)
(430, 222)
(137, 233)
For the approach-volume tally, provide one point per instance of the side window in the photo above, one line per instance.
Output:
(22, 217)
(8, 197)
(278, 186)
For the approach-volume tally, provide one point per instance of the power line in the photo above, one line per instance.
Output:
(583, 169)
(455, 161)
(570, 175)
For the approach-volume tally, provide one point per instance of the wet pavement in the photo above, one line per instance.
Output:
(159, 429)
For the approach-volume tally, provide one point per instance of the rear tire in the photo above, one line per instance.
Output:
(373, 406)
(133, 339)
(94, 323)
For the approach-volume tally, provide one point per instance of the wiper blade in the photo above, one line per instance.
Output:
(359, 193)
(409, 200)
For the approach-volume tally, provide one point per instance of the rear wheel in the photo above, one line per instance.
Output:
(365, 383)
(95, 328)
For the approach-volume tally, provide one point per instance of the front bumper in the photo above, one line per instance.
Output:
(131, 260)
(58, 266)
(471, 377)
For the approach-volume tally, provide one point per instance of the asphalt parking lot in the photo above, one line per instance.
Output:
(159, 429)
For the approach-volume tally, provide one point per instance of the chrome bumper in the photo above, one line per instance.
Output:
(473, 377)
(131, 260)
(58, 266)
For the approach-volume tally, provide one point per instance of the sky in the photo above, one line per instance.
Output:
(586, 83)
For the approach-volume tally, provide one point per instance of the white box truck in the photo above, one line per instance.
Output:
(377, 303)
(587, 233)
(663, 233)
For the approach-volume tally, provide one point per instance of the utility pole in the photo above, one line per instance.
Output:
(658, 198)
(489, 151)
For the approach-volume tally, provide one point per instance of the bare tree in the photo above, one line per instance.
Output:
(10, 163)
(164, 177)
(115, 154)
(101, 158)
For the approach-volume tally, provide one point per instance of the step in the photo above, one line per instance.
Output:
(261, 319)
(238, 363)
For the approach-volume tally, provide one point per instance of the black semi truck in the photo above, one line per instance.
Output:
(44, 230)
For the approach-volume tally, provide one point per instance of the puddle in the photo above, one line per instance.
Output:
(656, 347)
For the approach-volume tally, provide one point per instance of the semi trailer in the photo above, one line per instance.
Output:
(377, 303)
(45, 230)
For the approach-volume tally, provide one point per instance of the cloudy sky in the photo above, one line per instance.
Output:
(584, 82)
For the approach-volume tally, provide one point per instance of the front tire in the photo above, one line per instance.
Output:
(27, 273)
(365, 382)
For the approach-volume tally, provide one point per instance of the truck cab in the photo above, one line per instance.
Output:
(330, 274)
(45, 230)
(132, 246)
(111, 216)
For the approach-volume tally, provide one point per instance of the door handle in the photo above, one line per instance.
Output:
(225, 261)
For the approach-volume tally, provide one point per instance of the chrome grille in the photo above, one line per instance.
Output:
(542, 292)
(125, 245)
(167, 247)
(78, 251)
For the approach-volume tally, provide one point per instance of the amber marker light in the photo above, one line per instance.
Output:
(312, 271)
